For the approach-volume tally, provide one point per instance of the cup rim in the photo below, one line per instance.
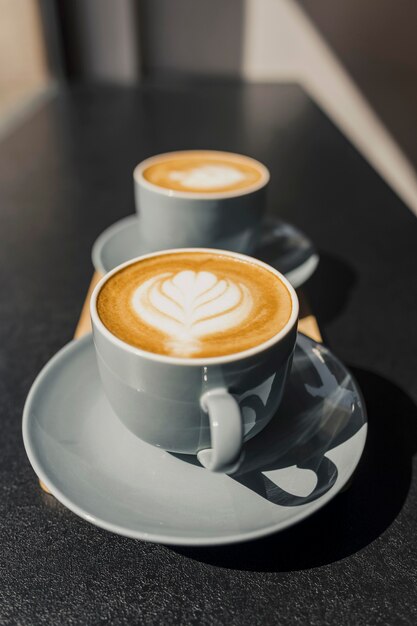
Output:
(216, 195)
(200, 361)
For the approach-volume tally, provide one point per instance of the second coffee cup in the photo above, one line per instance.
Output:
(200, 198)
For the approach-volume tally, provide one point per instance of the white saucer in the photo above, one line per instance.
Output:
(283, 246)
(104, 474)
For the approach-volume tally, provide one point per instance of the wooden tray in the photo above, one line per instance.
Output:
(307, 323)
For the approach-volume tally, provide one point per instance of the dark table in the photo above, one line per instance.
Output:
(65, 175)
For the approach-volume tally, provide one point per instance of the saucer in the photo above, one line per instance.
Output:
(282, 245)
(94, 466)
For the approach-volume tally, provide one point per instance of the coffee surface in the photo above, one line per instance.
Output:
(194, 304)
(203, 172)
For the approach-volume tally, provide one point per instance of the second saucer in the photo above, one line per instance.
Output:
(282, 245)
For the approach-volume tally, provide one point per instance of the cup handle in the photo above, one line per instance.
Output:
(226, 430)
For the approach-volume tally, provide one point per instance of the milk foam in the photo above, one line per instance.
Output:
(208, 176)
(188, 305)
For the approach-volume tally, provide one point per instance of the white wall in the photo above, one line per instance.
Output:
(23, 68)
(281, 43)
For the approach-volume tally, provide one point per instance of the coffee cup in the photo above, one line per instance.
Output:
(193, 348)
(200, 198)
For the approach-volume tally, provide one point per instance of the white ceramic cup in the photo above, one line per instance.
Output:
(176, 219)
(204, 406)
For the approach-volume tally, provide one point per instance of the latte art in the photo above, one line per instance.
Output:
(194, 304)
(189, 305)
(208, 177)
(205, 171)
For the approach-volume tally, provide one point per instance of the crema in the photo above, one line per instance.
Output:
(204, 172)
(194, 304)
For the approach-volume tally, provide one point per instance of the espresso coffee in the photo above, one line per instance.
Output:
(205, 172)
(194, 304)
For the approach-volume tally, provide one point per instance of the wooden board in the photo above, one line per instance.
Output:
(84, 323)
(307, 323)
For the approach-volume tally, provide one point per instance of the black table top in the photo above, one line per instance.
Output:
(65, 175)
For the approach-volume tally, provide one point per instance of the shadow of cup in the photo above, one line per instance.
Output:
(358, 515)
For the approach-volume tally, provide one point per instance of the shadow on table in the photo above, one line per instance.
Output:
(328, 290)
(357, 516)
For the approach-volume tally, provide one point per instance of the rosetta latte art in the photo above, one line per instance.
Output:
(189, 305)
(194, 304)
(208, 176)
